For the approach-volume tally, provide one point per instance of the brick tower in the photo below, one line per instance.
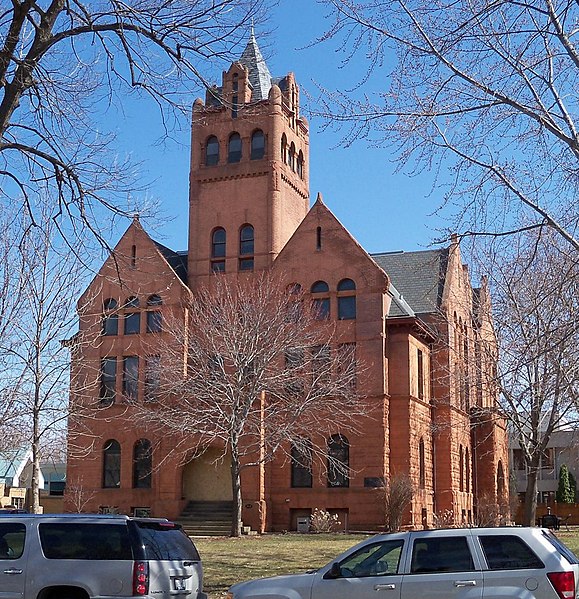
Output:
(249, 169)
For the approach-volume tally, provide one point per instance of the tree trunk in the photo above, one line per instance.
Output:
(35, 482)
(236, 488)
(530, 511)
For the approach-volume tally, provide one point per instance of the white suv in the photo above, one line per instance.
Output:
(473, 563)
(96, 557)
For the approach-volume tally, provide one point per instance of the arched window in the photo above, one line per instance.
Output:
(292, 157)
(154, 321)
(257, 145)
(212, 151)
(132, 316)
(346, 299)
(321, 300)
(111, 465)
(284, 148)
(338, 461)
(300, 165)
(301, 465)
(421, 464)
(142, 464)
(500, 481)
(234, 149)
(110, 318)
(295, 302)
(246, 248)
(218, 246)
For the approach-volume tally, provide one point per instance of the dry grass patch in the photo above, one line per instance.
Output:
(230, 560)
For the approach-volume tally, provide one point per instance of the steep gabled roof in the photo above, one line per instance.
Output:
(259, 75)
(418, 277)
(176, 260)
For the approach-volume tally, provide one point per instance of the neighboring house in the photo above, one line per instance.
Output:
(15, 476)
(414, 319)
(563, 448)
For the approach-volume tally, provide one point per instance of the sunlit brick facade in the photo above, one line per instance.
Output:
(423, 333)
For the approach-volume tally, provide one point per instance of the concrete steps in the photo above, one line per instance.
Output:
(207, 518)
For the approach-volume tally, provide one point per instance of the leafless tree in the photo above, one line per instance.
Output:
(485, 90)
(397, 495)
(254, 373)
(66, 64)
(45, 282)
(536, 291)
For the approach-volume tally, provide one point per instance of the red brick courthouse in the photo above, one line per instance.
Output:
(418, 324)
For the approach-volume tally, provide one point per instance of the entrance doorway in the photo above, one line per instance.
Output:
(208, 478)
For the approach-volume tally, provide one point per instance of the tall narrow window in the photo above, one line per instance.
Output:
(142, 464)
(246, 248)
(347, 364)
(338, 461)
(284, 148)
(295, 302)
(420, 373)
(421, 464)
(318, 238)
(134, 256)
(257, 145)
(111, 464)
(212, 151)
(346, 299)
(320, 300)
(132, 317)
(234, 150)
(292, 156)
(301, 465)
(300, 165)
(321, 367)
(467, 469)
(235, 96)
(110, 318)
(461, 469)
(154, 321)
(108, 381)
(218, 247)
(131, 377)
(152, 377)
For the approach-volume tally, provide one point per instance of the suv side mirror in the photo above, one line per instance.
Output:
(334, 572)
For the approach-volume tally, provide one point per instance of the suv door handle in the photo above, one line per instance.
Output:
(384, 587)
(465, 583)
(13, 571)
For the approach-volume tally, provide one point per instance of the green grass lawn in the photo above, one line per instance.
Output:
(226, 560)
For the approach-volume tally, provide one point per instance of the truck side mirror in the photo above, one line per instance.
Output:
(334, 572)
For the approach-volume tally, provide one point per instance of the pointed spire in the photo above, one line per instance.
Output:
(259, 75)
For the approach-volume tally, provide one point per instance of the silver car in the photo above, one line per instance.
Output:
(96, 557)
(473, 563)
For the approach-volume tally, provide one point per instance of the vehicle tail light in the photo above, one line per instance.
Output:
(140, 578)
(563, 583)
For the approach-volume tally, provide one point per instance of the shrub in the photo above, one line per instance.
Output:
(323, 521)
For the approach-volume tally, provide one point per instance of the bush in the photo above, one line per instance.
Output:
(323, 521)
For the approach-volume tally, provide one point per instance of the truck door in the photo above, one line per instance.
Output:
(12, 559)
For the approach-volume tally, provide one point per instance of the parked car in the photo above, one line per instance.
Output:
(88, 556)
(473, 563)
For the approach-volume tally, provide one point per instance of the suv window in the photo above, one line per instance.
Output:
(166, 541)
(379, 559)
(441, 554)
(85, 541)
(508, 552)
(561, 548)
(12, 537)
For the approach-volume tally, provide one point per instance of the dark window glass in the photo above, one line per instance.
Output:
(347, 307)
(246, 264)
(154, 300)
(218, 243)
(234, 154)
(246, 240)
(110, 321)
(441, 554)
(346, 285)
(154, 321)
(132, 323)
(218, 265)
(212, 151)
(338, 461)
(284, 148)
(152, 377)
(142, 464)
(321, 308)
(130, 376)
(257, 145)
(301, 465)
(420, 359)
(320, 287)
(422, 464)
(132, 302)
(108, 381)
(82, 541)
(347, 365)
(300, 169)
(292, 157)
(167, 542)
(112, 465)
(508, 552)
(56, 488)
(12, 537)
(380, 559)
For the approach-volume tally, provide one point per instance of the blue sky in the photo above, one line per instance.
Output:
(382, 210)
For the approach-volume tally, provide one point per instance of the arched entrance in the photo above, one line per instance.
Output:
(208, 478)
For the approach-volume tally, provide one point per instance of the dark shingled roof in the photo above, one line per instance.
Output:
(177, 260)
(259, 75)
(418, 277)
